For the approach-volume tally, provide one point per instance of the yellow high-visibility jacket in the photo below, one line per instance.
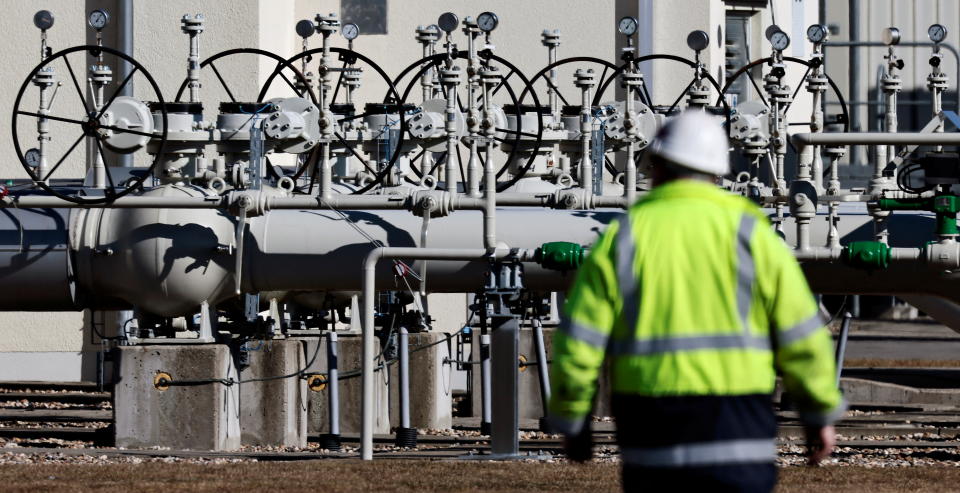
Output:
(692, 295)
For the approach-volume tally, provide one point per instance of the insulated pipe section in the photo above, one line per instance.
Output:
(290, 247)
(35, 263)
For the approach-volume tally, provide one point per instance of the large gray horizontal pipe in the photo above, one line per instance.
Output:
(168, 261)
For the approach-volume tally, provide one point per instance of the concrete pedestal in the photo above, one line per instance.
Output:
(192, 417)
(351, 349)
(531, 406)
(273, 410)
(431, 403)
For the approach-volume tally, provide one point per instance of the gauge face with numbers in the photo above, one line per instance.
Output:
(780, 40)
(98, 19)
(448, 22)
(306, 28)
(487, 21)
(43, 20)
(628, 26)
(350, 31)
(817, 33)
(32, 157)
(937, 33)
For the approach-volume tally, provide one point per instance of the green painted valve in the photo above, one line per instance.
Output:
(560, 255)
(945, 206)
(868, 255)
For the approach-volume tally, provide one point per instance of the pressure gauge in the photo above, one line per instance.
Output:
(628, 25)
(891, 36)
(306, 28)
(43, 20)
(487, 21)
(817, 33)
(698, 40)
(780, 40)
(32, 157)
(771, 30)
(937, 33)
(98, 19)
(448, 22)
(350, 31)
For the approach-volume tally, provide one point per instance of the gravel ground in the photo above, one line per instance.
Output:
(93, 473)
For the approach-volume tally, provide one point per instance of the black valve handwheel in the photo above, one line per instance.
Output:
(423, 65)
(844, 119)
(298, 84)
(348, 59)
(87, 119)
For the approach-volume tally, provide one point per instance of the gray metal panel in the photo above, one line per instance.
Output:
(34, 260)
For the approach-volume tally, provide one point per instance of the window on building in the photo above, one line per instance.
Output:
(369, 15)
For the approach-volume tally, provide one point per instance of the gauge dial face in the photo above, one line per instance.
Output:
(487, 21)
(891, 36)
(817, 33)
(98, 19)
(628, 25)
(43, 20)
(698, 40)
(448, 22)
(32, 157)
(306, 28)
(350, 31)
(937, 33)
(780, 40)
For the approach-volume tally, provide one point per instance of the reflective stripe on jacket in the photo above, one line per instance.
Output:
(692, 293)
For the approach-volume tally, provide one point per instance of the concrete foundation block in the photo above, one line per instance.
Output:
(531, 406)
(350, 354)
(431, 402)
(273, 411)
(191, 417)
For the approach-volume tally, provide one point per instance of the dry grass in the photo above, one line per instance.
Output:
(859, 479)
(422, 476)
(898, 363)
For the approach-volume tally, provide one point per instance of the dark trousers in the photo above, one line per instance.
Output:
(746, 478)
(667, 421)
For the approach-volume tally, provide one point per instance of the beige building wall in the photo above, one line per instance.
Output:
(587, 29)
(912, 17)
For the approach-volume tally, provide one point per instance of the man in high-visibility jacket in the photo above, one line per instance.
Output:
(697, 304)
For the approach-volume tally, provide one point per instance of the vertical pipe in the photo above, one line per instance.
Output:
(367, 404)
(333, 383)
(842, 343)
(542, 367)
(404, 370)
(125, 44)
(485, 394)
(853, 71)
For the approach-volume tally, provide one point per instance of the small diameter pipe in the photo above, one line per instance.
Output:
(486, 396)
(369, 295)
(542, 366)
(404, 370)
(333, 383)
(875, 138)
(354, 202)
(842, 344)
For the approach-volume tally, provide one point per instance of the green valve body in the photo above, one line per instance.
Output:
(868, 255)
(560, 255)
(945, 206)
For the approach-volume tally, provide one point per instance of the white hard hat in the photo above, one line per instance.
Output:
(694, 140)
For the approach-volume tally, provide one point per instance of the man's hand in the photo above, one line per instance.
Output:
(820, 443)
(579, 447)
